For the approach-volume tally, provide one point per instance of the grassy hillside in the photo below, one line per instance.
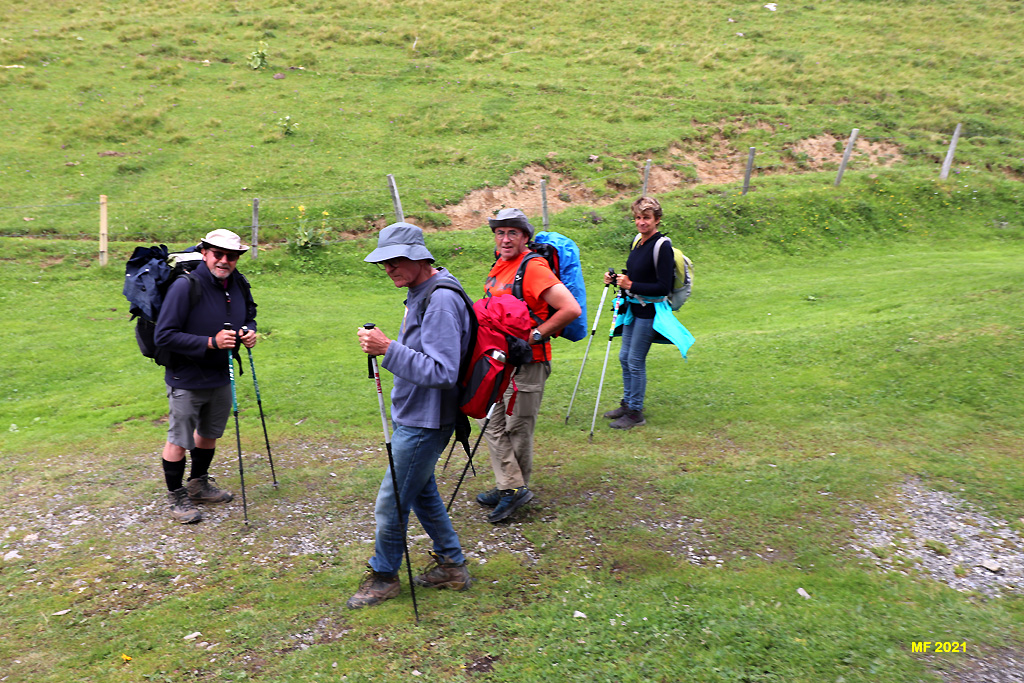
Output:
(835, 359)
(850, 340)
(156, 106)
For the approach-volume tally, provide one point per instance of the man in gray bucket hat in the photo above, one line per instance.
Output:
(424, 404)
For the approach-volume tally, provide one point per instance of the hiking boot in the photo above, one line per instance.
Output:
(633, 418)
(489, 498)
(373, 589)
(617, 412)
(182, 508)
(511, 500)
(444, 574)
(202, 490)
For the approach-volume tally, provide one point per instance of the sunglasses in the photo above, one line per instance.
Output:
(226, 255)
(392, 262)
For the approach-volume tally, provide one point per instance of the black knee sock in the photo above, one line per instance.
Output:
(173, 472)
(201, 459)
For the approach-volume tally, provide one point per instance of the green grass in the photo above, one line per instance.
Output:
(829, 366)
(847, 338)
(158, 109)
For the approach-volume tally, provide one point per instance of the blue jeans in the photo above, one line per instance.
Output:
(636, 342)
(415, 451)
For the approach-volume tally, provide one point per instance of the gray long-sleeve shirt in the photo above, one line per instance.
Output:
(425, 358)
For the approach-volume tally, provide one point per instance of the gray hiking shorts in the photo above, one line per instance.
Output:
(202, 411)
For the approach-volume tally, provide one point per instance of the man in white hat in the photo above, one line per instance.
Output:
(191, 326)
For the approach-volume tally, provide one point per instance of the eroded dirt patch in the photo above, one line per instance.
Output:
(717, 162)
(522, 192)
(825, 150)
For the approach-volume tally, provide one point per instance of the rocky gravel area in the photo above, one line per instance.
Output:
(950, 540)
(287, 523)
(946, 538)
(927, 533)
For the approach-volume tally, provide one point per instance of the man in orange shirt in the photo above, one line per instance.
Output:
(552, 306)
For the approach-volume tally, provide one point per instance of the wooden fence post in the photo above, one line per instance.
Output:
(395, 198)
(647, 175)
(255, 227)
(949, 153)
(750, 167)
(103, 229)
(846, 155)
(544, 202)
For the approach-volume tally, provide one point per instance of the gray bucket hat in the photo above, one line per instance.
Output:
(400, 239)
(511, 218)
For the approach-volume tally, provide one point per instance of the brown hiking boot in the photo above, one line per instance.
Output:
(444, 574)
(632, 418)
(617, 412)
(203, 490)
(375, 588)
(182, 508)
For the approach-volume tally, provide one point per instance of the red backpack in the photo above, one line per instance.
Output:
(500, 327)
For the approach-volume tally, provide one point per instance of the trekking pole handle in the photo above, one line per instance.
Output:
(369, 359)
(227, 326)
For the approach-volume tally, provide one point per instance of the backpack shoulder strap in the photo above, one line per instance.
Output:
(243, 282)
(250, 303)
(474, 324)
(193, 290)
(517, 281)
(517, 285)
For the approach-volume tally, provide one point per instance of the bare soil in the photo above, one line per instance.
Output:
(717, 163)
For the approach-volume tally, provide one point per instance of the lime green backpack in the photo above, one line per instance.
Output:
(683, 280)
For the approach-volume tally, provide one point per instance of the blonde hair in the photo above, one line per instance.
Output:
(647, 204)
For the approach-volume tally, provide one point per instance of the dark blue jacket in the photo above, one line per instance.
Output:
(185, 330)
(650, 279)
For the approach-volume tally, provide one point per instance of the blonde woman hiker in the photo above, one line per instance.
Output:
(645, 317)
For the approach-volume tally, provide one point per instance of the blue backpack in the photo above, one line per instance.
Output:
(563, 256)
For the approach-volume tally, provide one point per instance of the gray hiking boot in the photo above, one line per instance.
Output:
(489, 498)
(203, 490)
(182, 508)
(617, 412)
(444, 573)
(374, 589)
(633, 418)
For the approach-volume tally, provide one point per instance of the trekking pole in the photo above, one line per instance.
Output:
(452, 450)
(469, 462)
(374, 369)
(238, 434)
(593, 330)
(604, 368)
(259, 402)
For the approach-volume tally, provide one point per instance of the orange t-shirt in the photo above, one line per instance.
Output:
(537, 280)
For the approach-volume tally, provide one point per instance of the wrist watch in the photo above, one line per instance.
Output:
(536, 337)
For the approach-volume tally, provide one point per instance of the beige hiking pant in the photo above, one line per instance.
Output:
(510, 437)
